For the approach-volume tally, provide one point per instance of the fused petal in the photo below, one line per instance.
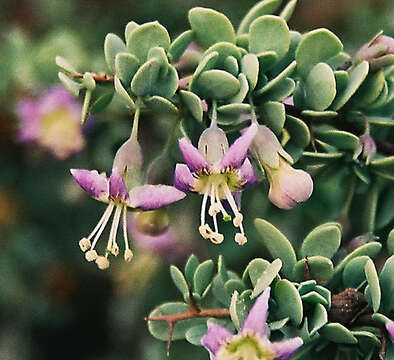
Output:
(193, 157)
(215, 337)
(390, 329)
(95, 184)
(247, 174)
(183, 178)
(285, 348)
(117, 187)
(257, 317)
(150, 197)
(236, 154)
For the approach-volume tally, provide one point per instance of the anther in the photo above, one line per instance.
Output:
(115, 250)
(128, 255)
(91, 255)
(240, 239)
(238, 220)
(84, 244)
(102, 263)
(216, 238)
(214, 209)
(205, 231)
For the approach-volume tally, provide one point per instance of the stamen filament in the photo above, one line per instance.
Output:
(125, 237)
(226, 216)
(114, 229)
(99, 223)
(203, 207)
(103, 225)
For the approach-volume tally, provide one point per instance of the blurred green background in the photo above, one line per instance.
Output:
(53, 304)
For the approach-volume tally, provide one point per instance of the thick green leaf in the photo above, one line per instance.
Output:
(255, 269)
(327, 114)
(384, 166)
(203, 276)
(161, 105)
(315, 47)
(261, 8)
(387, 285)
(250, 67)
(101, 103)
(210, 26)
(281, 90)
(217, 84)
(160, 329)
(356, 77)
(147, 36)
(306, 286)
(288, 301)
(234, 109)
(193, 104)
(268, 276)
(130, 27)
(243, 90)
(314, 297)
(219, 291)
(277, 325)
(370, 89)
(267, 60)
(323, 240)
(319, 268)
(124, 95)
(224, 49)
(126, 65)
(342, 140)
(206, 63)
(318, 319)
(337, 333)
(113, 45)
(231, 65)
(145, 78)
(274, 115)
(179, 280)
(320, 89)
(269, 33)
(299, 131)
(233, 310)
(234, 285)
(72, 86)
(277, 244)
(353, 274)
(190, 268)
(288, 10)
(390, 242)
(195, 334)
(180, 44)
(341, 79)
(64, 65)
(159, 53)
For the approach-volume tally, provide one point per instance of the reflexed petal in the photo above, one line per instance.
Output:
(285, 348)
(117, 187)
(215, 337)
(257, 317)
(95, 184)
(150, 197)
(247, 174)
(193, 157)
(183, 178)
(390, 329)
(236, 154)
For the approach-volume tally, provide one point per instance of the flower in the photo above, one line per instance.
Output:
(288, 186)
(52, 121)
(218, 172)
(114, 191)
(252, 341)
(379, 52)
(367, 148)
(390, 329)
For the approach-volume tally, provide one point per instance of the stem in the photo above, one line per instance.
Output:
(85, 106)
(170, 138)
(134, 131)
(191, 314)
(349, 199)
(370, 208)
(252, 111)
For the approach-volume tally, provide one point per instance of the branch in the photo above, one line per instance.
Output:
(101, 78)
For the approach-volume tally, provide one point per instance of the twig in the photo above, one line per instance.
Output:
(103, 77)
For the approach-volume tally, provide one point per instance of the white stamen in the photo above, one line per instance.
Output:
(103, 217)
(125, 237)
(226, 216)
(84, 244)
(91, 255)
(107, 214)
(240, 239)
(203, 207)
(214, 209)
(213, 204)
(238, 220)
(112, 246)
(102, 262)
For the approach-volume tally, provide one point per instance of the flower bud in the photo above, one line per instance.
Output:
(288, 186)
(213, 144)
(379, 52)
(367, 148)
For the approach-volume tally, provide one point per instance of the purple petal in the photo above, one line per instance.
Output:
(247, 174)
(215, 337)
(236, 154)
(150, 197)
(183, 178)
(117, 186)
(390, 329)
(29, 122)
(257, 317)
(193, 158)
(285, 348)
(56, 97)
(95, 184)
